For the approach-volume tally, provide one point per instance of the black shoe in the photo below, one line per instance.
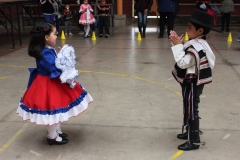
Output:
(187, 146)
(88, 35)
(106, 36)
(227, 30)
(160, 36)
(100, 36)
(54, 142)
(183, 136)
(62, 135)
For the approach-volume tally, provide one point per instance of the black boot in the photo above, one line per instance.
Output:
(194, 138)
(183, 135)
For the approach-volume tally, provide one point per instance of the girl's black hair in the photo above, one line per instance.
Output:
(205, 29)
(37, 38)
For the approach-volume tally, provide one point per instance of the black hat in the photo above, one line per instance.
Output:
(202, 18)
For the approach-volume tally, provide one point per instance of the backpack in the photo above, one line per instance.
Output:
(213, 13)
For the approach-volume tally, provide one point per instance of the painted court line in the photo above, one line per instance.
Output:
(178, 153)
(227, 136)
(4, 77)
(6, 145)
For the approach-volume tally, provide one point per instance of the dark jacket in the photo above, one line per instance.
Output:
(137, 5)
(166, 6)
(47, 8)
(176, 6)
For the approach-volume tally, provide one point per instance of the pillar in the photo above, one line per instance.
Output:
(119, 7)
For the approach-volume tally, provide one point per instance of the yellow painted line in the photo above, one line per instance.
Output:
(3, 77)
(10, 141)
(14, 66)
(178, 153)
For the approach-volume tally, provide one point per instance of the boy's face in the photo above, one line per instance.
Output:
(192, 32)
(67, 6)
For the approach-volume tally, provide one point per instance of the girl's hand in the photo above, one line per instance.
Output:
(59, 49)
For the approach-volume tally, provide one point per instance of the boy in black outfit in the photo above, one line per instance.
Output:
(103, 11)
(193, 69)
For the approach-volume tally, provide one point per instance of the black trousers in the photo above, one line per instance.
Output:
(197, 93)
(166, 17)
(104, 22)
(226, 18)
(191, 97)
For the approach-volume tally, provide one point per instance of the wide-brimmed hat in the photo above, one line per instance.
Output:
(202, 18)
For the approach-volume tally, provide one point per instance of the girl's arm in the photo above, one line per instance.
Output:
(48, 62)
(81, 9)
(90, 8)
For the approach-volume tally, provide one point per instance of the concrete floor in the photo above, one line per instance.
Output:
(137, 108)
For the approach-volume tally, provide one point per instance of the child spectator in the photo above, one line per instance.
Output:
(68, 19)
(103, 11)
(86, 17)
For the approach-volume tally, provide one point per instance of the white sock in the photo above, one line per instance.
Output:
(86, 28)
(52, 134)
(58, 129)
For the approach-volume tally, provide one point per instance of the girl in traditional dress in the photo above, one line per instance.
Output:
(47, 101)
(86, 17)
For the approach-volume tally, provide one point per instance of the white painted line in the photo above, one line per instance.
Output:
(203, 96)
(227, 136)
(33, 152)
(170, 79)
(59, 157)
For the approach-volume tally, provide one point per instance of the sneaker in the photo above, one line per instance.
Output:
(106, 36)
(88, 35)
(81, 32)
(66, 34)
(100, 36)
(70, 34)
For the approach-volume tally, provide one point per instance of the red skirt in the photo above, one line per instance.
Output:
(48, 101)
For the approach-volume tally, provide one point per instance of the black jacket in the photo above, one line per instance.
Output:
(138, 4)
(47, 8)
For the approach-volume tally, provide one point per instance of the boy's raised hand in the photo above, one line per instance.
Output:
(175, 39)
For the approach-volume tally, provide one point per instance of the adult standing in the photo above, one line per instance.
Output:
(226, 8)
(166, 8)
(57, 7)
(48, 10)
(176, 9)
(142, 7)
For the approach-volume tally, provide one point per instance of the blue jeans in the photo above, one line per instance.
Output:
(142, 21)
(49, 18)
